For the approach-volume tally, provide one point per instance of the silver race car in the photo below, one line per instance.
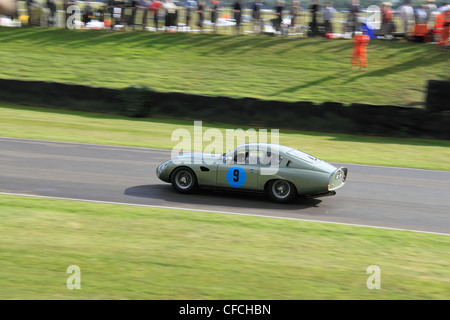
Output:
(282, 172)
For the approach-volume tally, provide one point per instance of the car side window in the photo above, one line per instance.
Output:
(241, 157)
(271, 159)
(254, 157)
(257, 157)
(247, 157)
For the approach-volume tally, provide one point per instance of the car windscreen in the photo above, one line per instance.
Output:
(302, 156)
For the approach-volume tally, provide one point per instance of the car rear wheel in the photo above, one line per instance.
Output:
(184, 180)
(282, 191)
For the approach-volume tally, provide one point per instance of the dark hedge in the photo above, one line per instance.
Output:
(135, 101)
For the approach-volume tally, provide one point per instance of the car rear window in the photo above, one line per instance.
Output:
(302, 156)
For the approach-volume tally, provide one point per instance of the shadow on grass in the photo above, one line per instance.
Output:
(215, 198)
(406, 66)
(134, 38)
(419, 61)
(320, 81)
(208, 43)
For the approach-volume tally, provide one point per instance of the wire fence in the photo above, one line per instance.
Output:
(120, 15)
(98, 15)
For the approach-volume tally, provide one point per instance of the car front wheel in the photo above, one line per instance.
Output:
(282, 191)
(184, 180)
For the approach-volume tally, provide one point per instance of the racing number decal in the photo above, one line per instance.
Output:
(236, 177)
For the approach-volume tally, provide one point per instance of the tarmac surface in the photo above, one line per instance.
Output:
(387, 197)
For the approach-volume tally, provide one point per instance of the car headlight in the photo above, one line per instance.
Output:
(163, 166)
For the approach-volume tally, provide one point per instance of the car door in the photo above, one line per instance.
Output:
(242, 172)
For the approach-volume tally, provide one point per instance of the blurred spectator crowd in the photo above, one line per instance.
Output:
(425, 22)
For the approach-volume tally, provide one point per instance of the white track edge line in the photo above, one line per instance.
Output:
(82, 144)
(215, 211)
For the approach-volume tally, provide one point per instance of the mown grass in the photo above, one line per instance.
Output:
(290, 69)
(150, 253)
(72, 126)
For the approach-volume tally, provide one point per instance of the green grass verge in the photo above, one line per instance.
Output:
(61, 125)
(150, 253)
(290, 69)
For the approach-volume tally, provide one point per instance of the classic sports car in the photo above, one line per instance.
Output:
(282, 172)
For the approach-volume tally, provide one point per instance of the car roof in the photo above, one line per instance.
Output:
(266, 146)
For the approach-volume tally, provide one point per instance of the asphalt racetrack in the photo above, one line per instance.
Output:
(387, 197)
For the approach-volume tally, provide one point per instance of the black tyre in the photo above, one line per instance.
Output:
(282, 191)
(184, 180)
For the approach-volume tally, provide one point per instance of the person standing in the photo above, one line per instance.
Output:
(294, 12)
(386, 18)
(237, 13)
(431, 10)
(421, 14)
(87, 12)
(143, 5)
(200, 14)
(190, 6)
(116, 7)
(155, 7)
(52, 8)
(444, 7)
(328, 14)
(314, 10)
(406, 13)
(443, 41)
(171, 15)
(256, 15)
(359, 57)
(131, 13)
(278, 15)
(215, 8)
(353, 17)
(29, 4)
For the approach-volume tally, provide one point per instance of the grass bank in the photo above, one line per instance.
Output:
(72, 126)
(149, 253)
(289, 69)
